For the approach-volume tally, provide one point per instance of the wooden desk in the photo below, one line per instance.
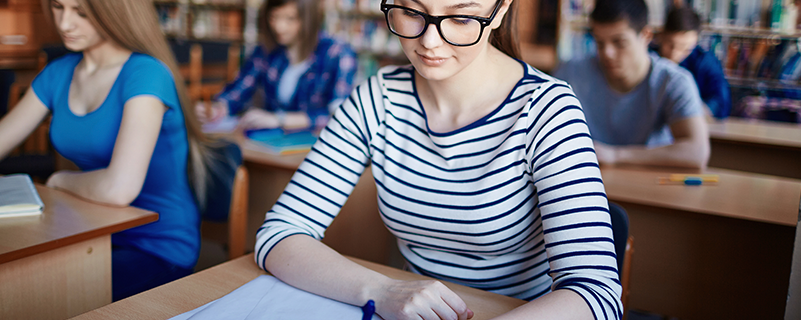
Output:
(58, 264)
(357, 231)
(198, 289)
(709, 252)
(758, 146)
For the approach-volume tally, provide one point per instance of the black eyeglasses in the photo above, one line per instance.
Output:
(457, 30)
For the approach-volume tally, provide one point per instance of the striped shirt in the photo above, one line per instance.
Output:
(512, 203)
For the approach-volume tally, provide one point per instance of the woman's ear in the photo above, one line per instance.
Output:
(501, 14)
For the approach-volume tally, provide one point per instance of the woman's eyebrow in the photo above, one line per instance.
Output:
(470, 4)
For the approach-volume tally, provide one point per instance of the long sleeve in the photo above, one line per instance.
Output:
(325, 179)
(242, 88)
(714, 88)
(572, 201)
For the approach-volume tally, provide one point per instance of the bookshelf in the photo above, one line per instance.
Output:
(756, 41)
(213, 20)
(361, 24)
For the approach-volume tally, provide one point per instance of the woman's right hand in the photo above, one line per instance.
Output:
(211, 113)
(425, 299)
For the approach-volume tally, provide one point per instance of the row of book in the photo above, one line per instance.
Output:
(757, 58)
(365, 6)
(201, 23)
(774, 14)
(369, 37)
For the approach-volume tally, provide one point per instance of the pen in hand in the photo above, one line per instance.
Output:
(368, 310)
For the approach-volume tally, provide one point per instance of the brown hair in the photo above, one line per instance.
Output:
(505, 38)
(311, 20)
(133, 24)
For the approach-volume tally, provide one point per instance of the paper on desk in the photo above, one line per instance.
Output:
(225, 125)
(266, 297)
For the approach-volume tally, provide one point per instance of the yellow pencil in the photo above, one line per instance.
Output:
(703, 177)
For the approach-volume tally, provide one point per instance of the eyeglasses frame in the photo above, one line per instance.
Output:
(437, 20)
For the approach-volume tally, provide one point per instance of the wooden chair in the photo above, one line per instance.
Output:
(227, 227)
(623, 249)
(207, 75)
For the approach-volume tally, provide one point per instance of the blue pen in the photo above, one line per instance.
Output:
(368, 310)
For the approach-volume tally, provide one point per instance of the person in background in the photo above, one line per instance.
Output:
(641, 109)
(484, 172)
(678, 42)
(121, 113)
(304, 73)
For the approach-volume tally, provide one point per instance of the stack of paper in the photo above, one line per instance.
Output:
(18, 196)
(266, 297)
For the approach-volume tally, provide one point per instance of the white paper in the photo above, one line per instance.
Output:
(266, 297)
(18, 196)
(225, 125)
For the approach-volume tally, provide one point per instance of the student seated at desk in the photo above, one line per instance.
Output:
(484, 170)
(641, 109)
(304, 73)
(678, 42)
(119, 114)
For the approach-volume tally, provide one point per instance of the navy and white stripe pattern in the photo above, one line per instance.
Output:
(512, 204)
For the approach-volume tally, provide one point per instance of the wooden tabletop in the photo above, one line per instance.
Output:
(738, 195)
(66, 220)
(752, 131)
(203, 287)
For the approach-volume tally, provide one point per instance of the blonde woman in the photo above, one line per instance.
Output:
(119, 113)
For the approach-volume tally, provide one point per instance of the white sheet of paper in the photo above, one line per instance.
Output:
(266, 297)
(225, 125)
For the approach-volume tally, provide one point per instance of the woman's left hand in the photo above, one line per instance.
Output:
(258, 119)
(607, 155)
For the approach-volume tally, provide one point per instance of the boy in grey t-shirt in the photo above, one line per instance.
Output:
(640, 108)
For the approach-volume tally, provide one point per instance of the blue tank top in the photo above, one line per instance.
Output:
(88, 141)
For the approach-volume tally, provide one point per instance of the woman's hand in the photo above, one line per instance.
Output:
(426, 299)
(211, 113)
(259, 119)
(607, 155)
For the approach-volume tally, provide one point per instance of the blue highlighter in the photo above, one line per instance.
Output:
(368, 310)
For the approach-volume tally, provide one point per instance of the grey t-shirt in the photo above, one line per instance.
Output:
(641, 116)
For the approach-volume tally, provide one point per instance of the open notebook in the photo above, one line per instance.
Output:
(266, 297)
(18, 196)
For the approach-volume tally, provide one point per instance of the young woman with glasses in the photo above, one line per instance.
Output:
(485, 173)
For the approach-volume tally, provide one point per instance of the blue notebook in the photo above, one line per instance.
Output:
(279, 142)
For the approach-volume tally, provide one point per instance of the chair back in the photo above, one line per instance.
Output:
(620, 230)
(227, 199)
(624, 248)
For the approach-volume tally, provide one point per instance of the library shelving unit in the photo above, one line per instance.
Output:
(756, 42)
(361, 24)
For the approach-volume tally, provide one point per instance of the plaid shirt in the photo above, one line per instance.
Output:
(328, 79)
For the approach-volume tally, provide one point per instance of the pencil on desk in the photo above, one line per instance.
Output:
(703, 177)
(688, 181)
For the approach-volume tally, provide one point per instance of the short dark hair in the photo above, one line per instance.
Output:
(611, 11)
(681, 20)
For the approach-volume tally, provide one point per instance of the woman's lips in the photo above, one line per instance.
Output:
(431, 61)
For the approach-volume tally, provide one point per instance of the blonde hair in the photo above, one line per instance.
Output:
(133, 24)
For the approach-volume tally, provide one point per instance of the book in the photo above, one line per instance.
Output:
(279, 142)
(18, 196)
